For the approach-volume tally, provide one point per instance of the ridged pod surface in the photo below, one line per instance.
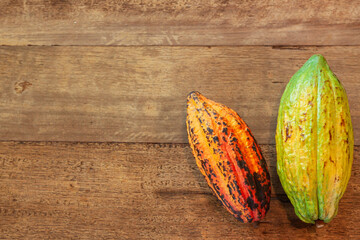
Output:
(314, 141)
(229, 158)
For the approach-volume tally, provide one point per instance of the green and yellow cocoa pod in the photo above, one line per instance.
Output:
(314, 141)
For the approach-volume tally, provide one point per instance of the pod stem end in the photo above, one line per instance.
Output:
(319, 223)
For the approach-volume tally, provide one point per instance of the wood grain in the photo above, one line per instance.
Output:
(201, 22)
(138, 191)
(138, 94)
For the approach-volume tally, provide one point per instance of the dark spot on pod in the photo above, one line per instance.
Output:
(197, 151)
(189, 122)
(250, 202)
(238, 150)
(204, 164)
(254, 148)
(206, 110)
(210, 130)
(287, 130)
(264, 167)
(224, 139)
(250, 179)
(230, 191)
(223, 168)
(237, 187)
(342, 122)
(242, 164)
(330, 135)
(248, 217)
(225, 130)
(248, 130)
(257, 151)
(228, 163)
(261, 189)
(234, 139)
(216, 139)
(232, 183)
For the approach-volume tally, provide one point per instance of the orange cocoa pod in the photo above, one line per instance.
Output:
(229, 158)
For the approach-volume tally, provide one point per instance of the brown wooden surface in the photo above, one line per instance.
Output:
(138, 191)
(138, 94)
(163, 22)
(121, 73)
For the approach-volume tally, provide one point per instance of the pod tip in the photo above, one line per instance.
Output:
(193, 95)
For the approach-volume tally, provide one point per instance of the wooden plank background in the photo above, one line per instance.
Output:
(184, 22)
(138, 94)
(92, 111)
(131, 191)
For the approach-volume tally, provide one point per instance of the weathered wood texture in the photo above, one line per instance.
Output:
(138, 94)
(155, 22)
(138, 191)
